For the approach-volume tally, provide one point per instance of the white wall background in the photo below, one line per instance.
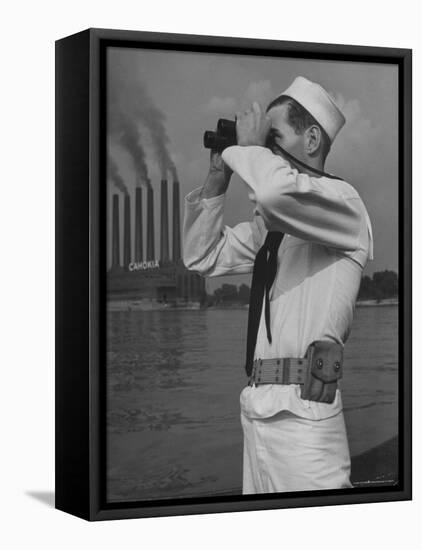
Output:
(27, 275)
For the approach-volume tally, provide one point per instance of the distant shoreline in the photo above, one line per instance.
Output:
(378, 303)
(151, 305)
(359, 303)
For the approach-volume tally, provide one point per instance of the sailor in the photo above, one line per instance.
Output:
(308, 241)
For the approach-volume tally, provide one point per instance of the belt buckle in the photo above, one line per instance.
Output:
(252, 375)
(251, 379)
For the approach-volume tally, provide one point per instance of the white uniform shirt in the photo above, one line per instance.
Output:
(327, 242)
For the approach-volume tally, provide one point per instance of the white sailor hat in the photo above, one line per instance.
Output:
(318, 103)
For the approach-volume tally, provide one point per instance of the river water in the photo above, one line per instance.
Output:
(173, 385)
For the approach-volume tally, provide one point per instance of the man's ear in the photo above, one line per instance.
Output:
(313, 139)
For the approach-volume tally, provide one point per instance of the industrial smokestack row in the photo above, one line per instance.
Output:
(150, 225)
(164, 242)
(176, 221)
(150, 246)
(115, 253)
(126, 233)
(139, 249)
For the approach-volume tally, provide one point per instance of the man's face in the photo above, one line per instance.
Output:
(284, 134)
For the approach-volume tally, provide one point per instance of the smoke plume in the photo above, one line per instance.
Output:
(130, 140)
(154, 119)
(114, 174)
(129, 106)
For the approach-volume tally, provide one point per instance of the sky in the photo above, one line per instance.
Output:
(188, 92)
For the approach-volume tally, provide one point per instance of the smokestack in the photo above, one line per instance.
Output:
(115, 254)
(164, 243)
(176, 221)
(150, 225)
(139, 250)
(126, 233)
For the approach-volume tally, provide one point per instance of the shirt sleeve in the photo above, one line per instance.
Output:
(321, 210)
(212, 248)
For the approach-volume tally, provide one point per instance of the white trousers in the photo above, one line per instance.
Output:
(289, 453)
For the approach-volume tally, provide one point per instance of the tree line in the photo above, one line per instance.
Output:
(382, 285)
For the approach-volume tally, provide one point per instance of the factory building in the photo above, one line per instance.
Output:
(147, 280)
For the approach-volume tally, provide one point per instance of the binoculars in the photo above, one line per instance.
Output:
(223, 137)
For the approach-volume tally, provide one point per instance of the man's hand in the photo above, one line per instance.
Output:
(218, 168)
(252, 126)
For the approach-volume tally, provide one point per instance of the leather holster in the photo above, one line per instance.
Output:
(325, 368)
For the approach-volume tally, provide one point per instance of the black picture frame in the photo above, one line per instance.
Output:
(80, 277)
